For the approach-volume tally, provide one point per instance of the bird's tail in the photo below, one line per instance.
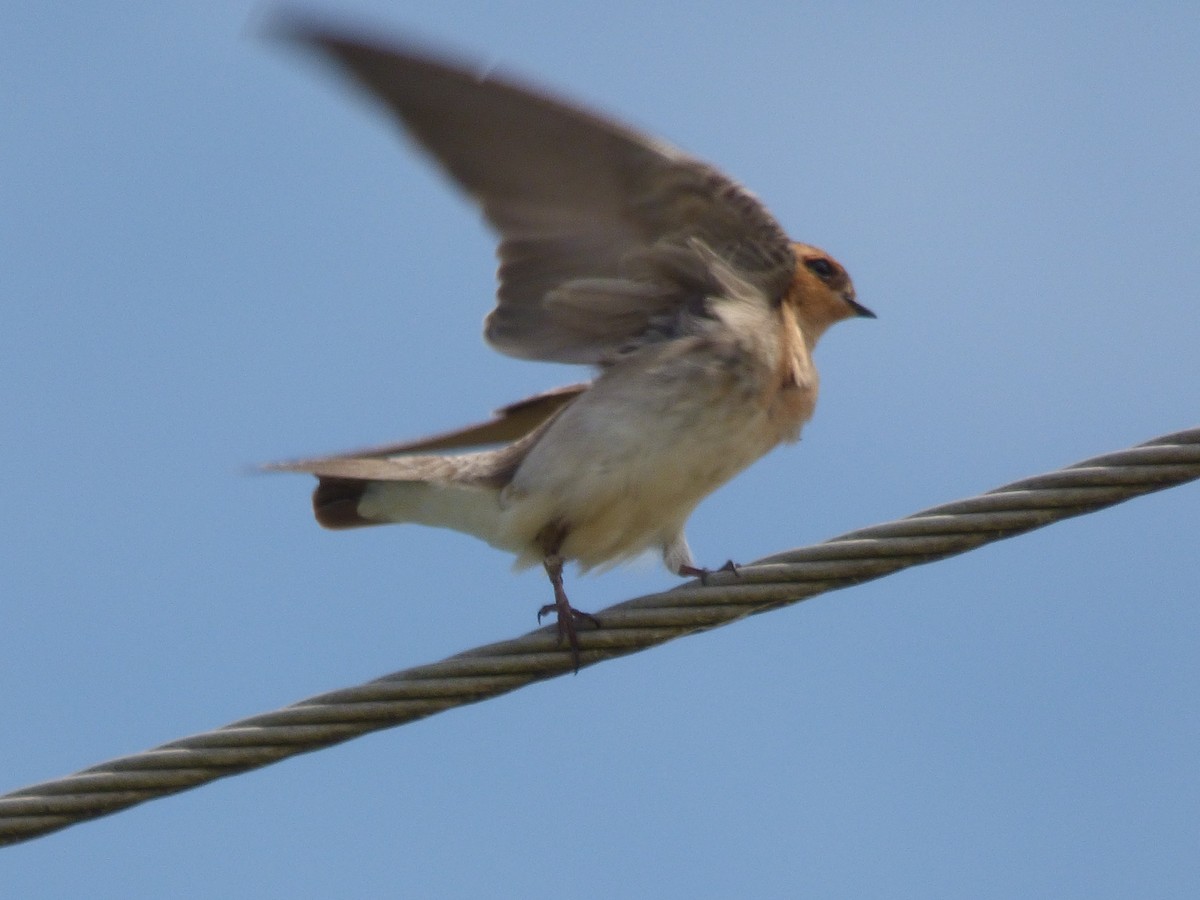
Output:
(335, 503)
(340, 502)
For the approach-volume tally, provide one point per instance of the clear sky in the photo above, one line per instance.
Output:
(212, 254)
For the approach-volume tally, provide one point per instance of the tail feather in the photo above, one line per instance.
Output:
(341, 503)
(335, 503)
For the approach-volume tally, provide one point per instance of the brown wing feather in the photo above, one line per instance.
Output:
(573, 195)
(518, 424)
(510, 423)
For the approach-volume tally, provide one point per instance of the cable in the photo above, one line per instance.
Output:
(628, 627)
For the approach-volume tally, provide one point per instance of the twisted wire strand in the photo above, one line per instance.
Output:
(628, 627)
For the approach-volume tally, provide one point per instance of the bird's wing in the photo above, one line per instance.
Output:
(374, 468)
(509, 424)
(602, 229)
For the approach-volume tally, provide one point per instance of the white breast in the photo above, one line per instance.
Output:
(624, 466)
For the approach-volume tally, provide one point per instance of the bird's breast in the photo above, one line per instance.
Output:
(626, 463)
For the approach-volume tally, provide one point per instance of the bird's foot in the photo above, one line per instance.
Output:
(568, 616)
(703, 574)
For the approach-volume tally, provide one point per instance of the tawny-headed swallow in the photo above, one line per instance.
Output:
(616, 251)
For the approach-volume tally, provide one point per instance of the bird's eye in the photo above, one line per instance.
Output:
(821, 266)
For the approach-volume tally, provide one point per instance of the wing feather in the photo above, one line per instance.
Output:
(387, 462)
(574, 196)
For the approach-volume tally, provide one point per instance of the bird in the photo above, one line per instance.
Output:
(695, 310)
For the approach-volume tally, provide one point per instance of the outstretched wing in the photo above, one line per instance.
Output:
(602, 229)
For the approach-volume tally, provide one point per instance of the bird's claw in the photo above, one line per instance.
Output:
(703, 574)
(568, 618)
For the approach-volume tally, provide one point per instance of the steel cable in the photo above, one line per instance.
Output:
(495, 669)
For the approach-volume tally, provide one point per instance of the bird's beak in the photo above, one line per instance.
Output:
(859, 309)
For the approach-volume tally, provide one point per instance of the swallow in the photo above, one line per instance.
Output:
(616, 251)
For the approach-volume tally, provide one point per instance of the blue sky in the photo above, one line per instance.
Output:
(214, 255)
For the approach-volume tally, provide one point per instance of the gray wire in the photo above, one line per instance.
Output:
(628, 627)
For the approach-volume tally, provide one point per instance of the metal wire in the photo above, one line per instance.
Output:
(496, 669)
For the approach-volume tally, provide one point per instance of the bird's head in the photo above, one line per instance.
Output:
(821, 292)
